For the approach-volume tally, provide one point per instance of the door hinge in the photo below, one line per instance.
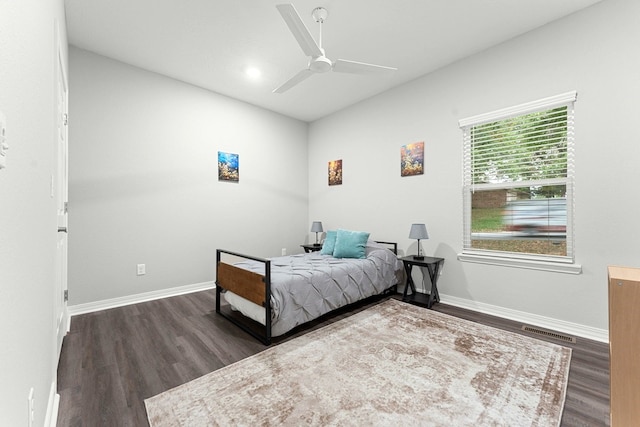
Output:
(66, 295)
(66, 207)
(65, 119)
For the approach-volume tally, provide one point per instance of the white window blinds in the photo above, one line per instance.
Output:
(530, 143)
(521, 152)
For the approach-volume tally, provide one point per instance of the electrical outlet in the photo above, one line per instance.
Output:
(284, 251)
(142, 269)
(31, 407)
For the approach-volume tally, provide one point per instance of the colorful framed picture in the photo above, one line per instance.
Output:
(335, 172)
(228, 169)
(412, 159)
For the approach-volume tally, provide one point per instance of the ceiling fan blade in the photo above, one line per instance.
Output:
(299, 30)
(302, 75)
(344, 66)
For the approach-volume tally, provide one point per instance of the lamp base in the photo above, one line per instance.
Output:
(418, 257)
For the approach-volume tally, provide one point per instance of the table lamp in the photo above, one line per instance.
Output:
(419, 232)
(316, 226)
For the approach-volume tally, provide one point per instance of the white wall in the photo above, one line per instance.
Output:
(28, 31)
(594, 52)
(144, 185)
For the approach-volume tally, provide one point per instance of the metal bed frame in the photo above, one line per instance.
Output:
(254, 287)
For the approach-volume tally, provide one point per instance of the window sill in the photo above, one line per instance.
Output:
(556, 267)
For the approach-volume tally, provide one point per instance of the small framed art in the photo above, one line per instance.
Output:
(228, 168)
(335, 172)
(412, 159)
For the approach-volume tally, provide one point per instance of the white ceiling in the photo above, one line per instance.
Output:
(210, 43)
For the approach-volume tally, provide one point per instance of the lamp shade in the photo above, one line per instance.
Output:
(316, 226)
(418, 231)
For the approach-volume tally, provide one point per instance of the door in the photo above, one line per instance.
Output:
(61, 191)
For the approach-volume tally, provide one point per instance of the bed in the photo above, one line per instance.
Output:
(300, 288)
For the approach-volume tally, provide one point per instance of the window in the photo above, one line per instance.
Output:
(518, 185)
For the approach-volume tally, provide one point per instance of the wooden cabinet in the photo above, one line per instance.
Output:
(624, 345)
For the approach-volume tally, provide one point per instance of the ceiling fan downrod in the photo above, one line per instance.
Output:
(320, 64)
(319, 15)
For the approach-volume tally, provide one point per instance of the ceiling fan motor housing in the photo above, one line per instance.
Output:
(320, 64)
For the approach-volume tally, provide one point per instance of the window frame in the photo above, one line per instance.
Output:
(561, 264)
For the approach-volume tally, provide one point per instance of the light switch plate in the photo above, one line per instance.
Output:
(3, 141)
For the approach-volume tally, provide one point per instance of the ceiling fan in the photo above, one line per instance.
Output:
(318, 63)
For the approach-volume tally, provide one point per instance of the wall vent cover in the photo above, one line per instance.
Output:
(548, 333)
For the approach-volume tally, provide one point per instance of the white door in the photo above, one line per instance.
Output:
(61, 191)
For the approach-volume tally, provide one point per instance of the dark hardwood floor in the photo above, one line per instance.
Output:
(114, 359)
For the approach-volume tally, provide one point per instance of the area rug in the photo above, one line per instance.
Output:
(391, 364)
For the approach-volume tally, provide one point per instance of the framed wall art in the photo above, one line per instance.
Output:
(412, 159)
(335, 172)
(228, 168)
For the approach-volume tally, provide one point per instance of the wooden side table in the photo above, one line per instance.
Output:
(311, 248)
(433, 266)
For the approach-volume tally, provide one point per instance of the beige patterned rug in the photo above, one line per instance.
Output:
(391, 364)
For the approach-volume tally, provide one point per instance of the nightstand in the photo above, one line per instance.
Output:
(312, 248)
(433, 266)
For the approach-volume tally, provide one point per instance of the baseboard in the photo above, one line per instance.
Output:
(53, 404)
(90, 307)
(601, 335)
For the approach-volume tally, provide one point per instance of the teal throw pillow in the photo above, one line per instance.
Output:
(329, 243)
(350, 244)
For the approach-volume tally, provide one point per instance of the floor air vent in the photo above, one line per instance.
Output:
(548, 333)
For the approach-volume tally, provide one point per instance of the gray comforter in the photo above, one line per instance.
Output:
(306, 286)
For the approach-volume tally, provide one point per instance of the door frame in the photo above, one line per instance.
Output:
(61, 313)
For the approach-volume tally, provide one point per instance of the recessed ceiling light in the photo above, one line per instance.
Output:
(253, 72)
